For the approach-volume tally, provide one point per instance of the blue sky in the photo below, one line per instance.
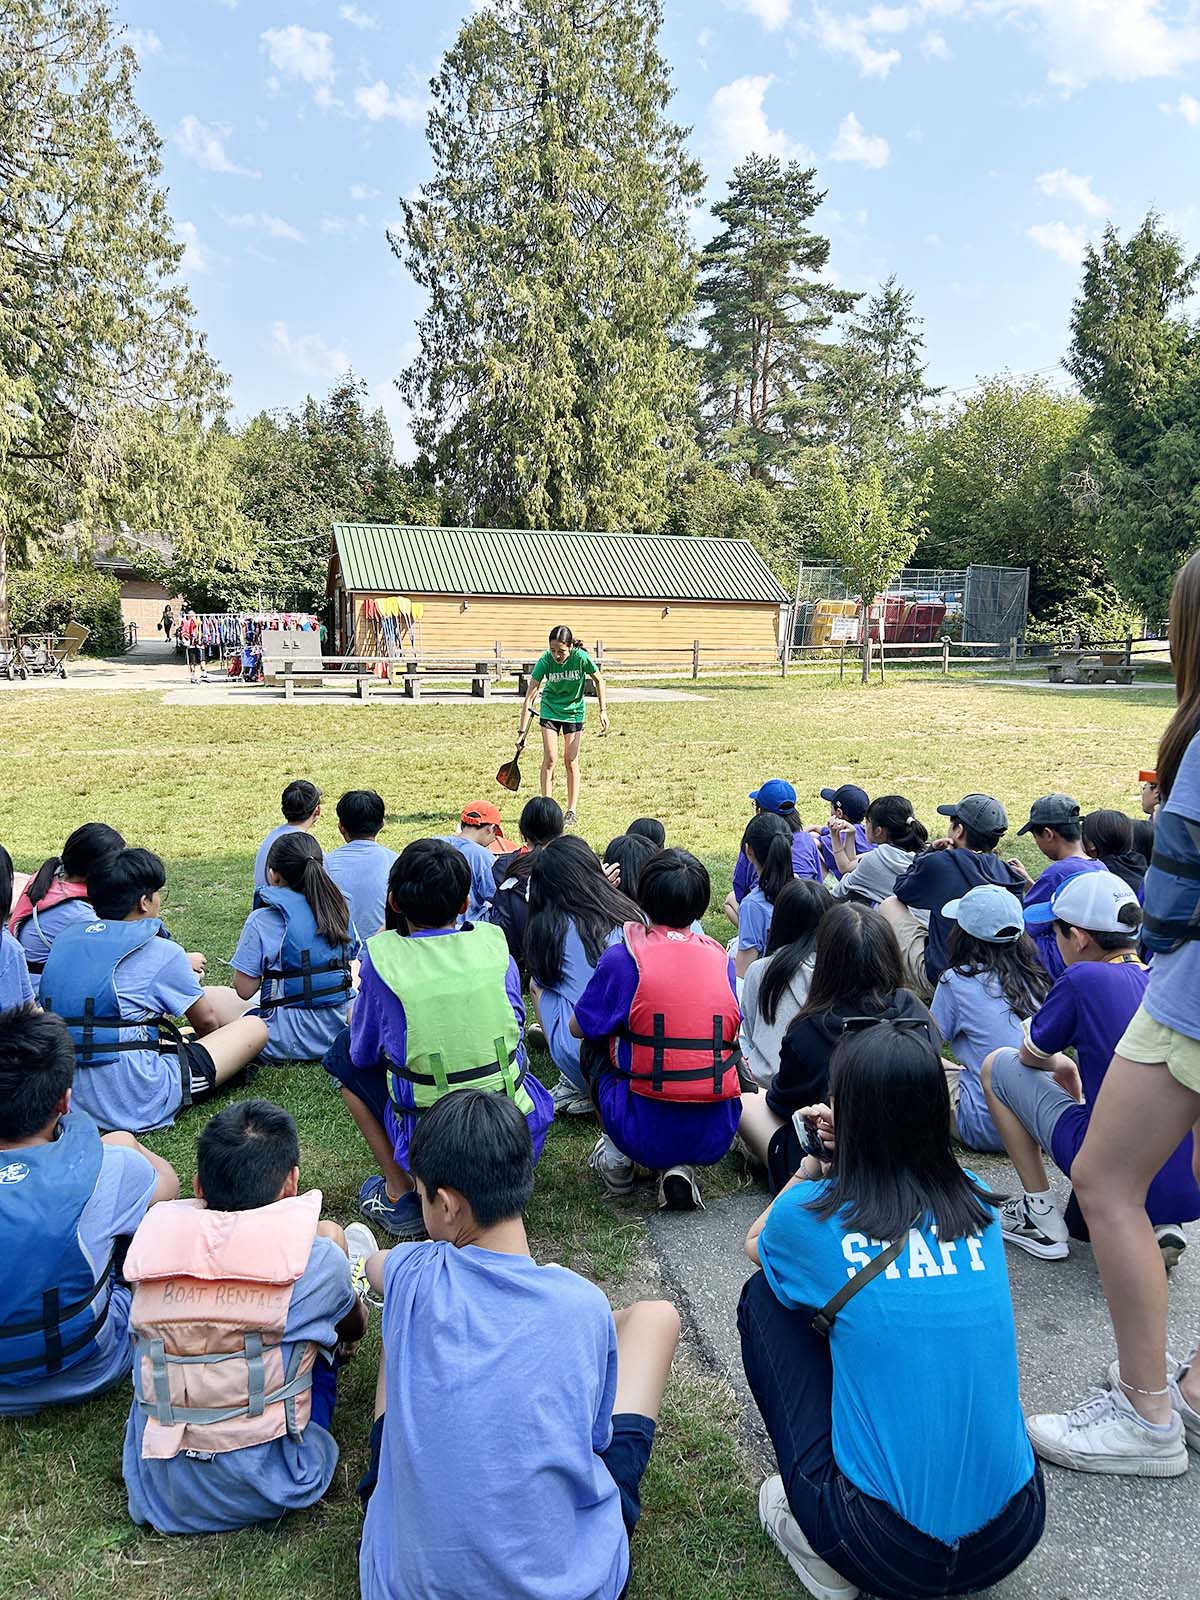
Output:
(969, 146)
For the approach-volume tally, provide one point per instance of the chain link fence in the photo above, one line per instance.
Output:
(922, 605)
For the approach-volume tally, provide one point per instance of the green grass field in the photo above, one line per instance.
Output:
(201, 785)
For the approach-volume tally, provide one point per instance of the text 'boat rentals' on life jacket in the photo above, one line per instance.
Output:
(313, 972)
(683, 1019)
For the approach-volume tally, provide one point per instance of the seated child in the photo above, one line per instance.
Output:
(894, 837)
(55, 898)
(776, 987)
(439, 1009)
(624, 858)
(16, 988)
(295, 951)
(514, 1379)
(849, 804)
(649, 828)
(301, 806)
(118, 983)
(478, 830)
(239, 1291)
(775, 798)
(1057, 829)
(767, 846)
(360, 867)
(993, 985)
(1040, 1097)
(1108, 838)
(70, 1198)
(671, 1105)
(541, 821)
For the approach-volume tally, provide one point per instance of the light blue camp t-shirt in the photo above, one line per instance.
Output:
(1173, 994)
(556, 1005)
(262, 1482)
(119, 1201)
(360, 869)
(974, 1019)
(293, 1034)
(264, 850)
(501, 1377)
(37, 938)
(754, 921)
(483, 879)
(141, 1089)
(16, 987)
(926, 1413)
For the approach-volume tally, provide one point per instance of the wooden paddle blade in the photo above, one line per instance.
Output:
(509, 775)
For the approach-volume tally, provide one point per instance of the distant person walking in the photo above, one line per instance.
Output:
(559, 676)
(167, 622)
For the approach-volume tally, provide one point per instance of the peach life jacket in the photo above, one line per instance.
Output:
(211, 1297)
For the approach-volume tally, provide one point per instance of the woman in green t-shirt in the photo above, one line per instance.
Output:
(559, 676)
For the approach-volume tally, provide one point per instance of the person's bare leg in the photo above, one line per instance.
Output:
(380, 1145)
(549, 760)
(571, 743)
(647, 1337)
(1141, 1114)
(758, 1125)
(334, 1231)
(1023, 1149)
(381, 1386)
(226, 1002)
(235, 1045)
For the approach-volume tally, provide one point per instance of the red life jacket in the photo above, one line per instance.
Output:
(683, 1019)
(60, 889)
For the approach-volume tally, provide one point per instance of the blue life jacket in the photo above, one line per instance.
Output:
(80, 984)
(313, 972)
(1172, 891)
(52, 1303)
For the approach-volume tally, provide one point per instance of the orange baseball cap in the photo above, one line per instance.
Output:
(481, 814)
(1147, 777)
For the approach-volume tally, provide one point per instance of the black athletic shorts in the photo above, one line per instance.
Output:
(561, 727)
(196, 1061)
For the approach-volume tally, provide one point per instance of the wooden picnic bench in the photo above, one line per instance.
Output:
(1101, 666)
(410, 675)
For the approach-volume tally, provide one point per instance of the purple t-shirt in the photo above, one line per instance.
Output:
(806, 863)
(655, 1133)
(1039, 920)
(828, 860)
(1089, 1008)
(379, 1028)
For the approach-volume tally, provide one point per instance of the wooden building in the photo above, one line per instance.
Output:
(475, 592)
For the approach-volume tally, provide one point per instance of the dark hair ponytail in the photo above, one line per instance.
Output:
(563, 635)
(298, 859)
(893, 813)
(769, 839)
(84, 850)
(798, 912)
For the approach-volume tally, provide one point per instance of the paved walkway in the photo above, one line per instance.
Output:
(1106, 1538)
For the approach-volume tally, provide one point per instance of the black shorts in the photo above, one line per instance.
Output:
(561, 727)
(194, 653)
(195, 1060)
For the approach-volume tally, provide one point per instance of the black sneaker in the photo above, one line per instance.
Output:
(1172, 1243)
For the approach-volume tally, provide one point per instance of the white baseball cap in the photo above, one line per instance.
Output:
(1094, 901)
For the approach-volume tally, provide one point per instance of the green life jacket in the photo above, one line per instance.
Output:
(461, 1030)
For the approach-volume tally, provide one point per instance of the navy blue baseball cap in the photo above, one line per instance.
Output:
(775, 795)
(852, 800)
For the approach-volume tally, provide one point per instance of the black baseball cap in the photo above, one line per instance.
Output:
(1051, 811)
(852, 800)
(980, 813)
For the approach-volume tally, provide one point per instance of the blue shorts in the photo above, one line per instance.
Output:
(368, 1083)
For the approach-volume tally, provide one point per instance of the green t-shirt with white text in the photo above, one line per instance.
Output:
(562, 685)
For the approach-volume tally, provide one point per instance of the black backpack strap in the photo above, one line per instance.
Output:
(828, 1313)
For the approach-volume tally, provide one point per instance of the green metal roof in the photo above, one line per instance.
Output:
(389, 559)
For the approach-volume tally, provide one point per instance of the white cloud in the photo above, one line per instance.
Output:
(704, 39)
(204, 143)
(935, 48)
(773, 14)
(377, 101)
(196, 258)
(1123, 39)
(1061, 240)
(358, 18)
(1063, 185)
(739, 124)
(335, 226)
(275, 227)
(303, 56)
(363, 191)
(308, 353)
(853, 143)
(1187, 107)
(143, 42)
(933, 240)
(846, 36)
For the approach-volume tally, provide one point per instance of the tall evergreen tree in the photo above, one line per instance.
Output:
(876, 381)
(768, 319)
(552, 241)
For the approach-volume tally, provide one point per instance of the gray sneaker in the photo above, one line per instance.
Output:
(570, 1101)
(1040, 1233)
(781, 1527)
(679, 1191)
(1172, 1241)
(1185, 1413)
(360, 1244)
(569, 819)
(1105, 1434)
(614, 1170)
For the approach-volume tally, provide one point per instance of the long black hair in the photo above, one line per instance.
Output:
(6, 886)
(1017, 967)
(894, 814)
(798, 912)
(84, 850)
(630, 852)
(298, 860)
(563, 635)
(567, 884)
(769, 839)
(893, 1165)
(541, 820)
(857, 960)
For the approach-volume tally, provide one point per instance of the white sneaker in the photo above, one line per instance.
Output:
(1172, 1241)
(569, 819)
(570, 1101)
(679, 1191)
(614, 1170)
(360, 1243)
(1042, 1232)
(1189, 1417)
(781, 1527)
(1105, 1434)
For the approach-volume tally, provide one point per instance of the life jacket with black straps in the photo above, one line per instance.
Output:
(683, 1018)
(53, 1300)
(60, 891)
(313, 972)
(1171, 905)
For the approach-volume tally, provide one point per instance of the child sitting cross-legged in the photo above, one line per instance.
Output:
(661, 1004)
(511, 1382)
(70, 1198)
(243, 1300)
(439, 1009)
